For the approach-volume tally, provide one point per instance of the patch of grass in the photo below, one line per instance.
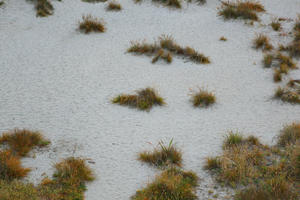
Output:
(232, 139)
(290, 134)
(241, 10)
(223, 38)
(294, 47)
(91, 24)
(172, 184)
(163, 49)
(277, 77)
(268, 58)
(93, 1)
(163, 156)
(262, 42)
(203, 98)
(21, 141)
(212, 163)
(1, 3)
(177, 4)
(282, 59)
(114, 6)
(17, 190)
(275, 24)
(287, 95)
(43, 8)
(295, 159)
(145, 99)
(10, 167)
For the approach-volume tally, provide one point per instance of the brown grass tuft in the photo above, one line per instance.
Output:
(90, 24)
(43, 8)
(223, 38)
(203, 98)
(144, 100)
(164, 156)
(114, 6)
(287, 95)
(276, 26)
(290, 134)
(21, 141)
(262, 42)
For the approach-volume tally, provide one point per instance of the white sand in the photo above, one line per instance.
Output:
(60, 81)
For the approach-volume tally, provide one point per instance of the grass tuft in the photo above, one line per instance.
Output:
(93, 1)
(223, 38)
(290, 134)
(114, 6)
(241, 10)
(172, 184)
(145, 99)
(43, 8)
(164, 156)
(17, 190)
(21, 141)
(287, 95)
(276, 26)
(203, 98)
(90, 24)
(262, 42)
(268, 58)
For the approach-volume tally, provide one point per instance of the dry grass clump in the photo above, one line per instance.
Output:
(277, 77)
(288, 95)
(93, 1)
(289, 135)
(17, 190)
(203, 98)
(241, 10)
(21, 141)
(172, 184)
(275, 24)
(164, 156)
(260, 172)
(114, 6)
(294, 47)
(43, 8)
(262, 42)
(10, 166)
(164, 48)
(174, 3)
(145, 99)
(267, 61)
(90, 24)
(69, 180)
(223, 38)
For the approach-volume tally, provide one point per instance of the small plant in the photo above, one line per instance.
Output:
(212, 163)
(276, 26)
(174, 3)
(172, 184)
(223, 38)
(114, 6)
(17, 190)
(289, 134)
(268, 58)
(294, 47)
(287, 95)
(1, 3)
(93, 1)
(241, 10)
(44, 8)
(262, 42)
(162, 157)
(203, 98)
(22, 141)
(164, 48)
(144, 100)
(233, 139)
(90, 24)
(10, 167)
(277, 77)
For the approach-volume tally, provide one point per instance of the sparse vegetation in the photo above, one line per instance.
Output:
(90, 24)
(223, 38)
(18, 190)
(21, 141)
(164, 156)
(294, 47)
(43, 8)
(263, 172)
(203, 98)
(1, 3)
(276, 26)
(145, 99)
(93, 1)
(114, 6)
(287, 95)
(268, 58)
(173, 3)
(163, 49)
(241, 10)
(277, 77)
(262, 42)
(172, 184)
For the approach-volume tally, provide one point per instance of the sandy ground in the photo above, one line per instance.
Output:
(60, 81)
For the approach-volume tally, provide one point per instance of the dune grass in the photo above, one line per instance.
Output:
(145, 99)
(294, 46)
(203, 98)
(268, 59)
(223, 38)
(91, 24)
(177, 4)
(164, 156)
(43, 8)
(21, 141)
(114, 6)
(263, 172)
(241, 10)
(287, 95)
(172, 184)
(93, 1)
(275, 24)
(262, 42)
(18, 190)
(165, 48)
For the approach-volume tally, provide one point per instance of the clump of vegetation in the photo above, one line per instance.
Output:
(294, 47)
(145, 99)
(275, 24)
(10, 167)
(93, 1)
(241, 10)
(277, 77)
(21, 141)
(174, 3)
(163, 49)
(1, 3)
(288, 95)
(262, 42)
(203, 98)
(164, 156)
(172, 184)
(223, 38)
(114, 6)
(17, 190)
(90, 24)
(263, 172)
(268, 58)
(43, 8)
(289, 135)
